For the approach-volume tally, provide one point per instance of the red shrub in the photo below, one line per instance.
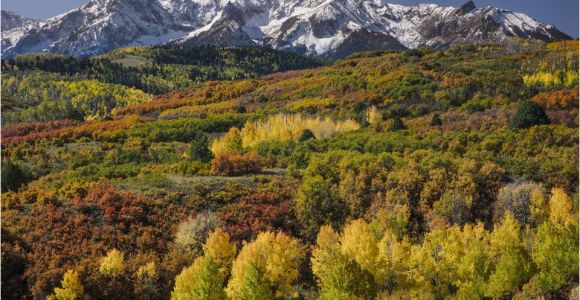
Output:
(258, 212)
(232, 164)
(76, 233)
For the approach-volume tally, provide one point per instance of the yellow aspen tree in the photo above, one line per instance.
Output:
(72, 288)
(202, 280)
(276, 258)
(113, 264)
(555, 250)
(512, 262)
(219, 248)
(339, 277)
(395, 255)
(473, 265)
(358, 243)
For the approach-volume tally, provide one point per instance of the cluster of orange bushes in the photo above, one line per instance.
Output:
(69, 131)
(233, 164)
(563, 98)
(19, 129)
(172, 100)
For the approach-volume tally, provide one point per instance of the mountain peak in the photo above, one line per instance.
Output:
(465, 8)
(314, 27)
(11, 20)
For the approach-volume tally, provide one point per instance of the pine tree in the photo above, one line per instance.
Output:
(306, 134)
(436, 120)
(528, 115)
(199, 148)
(12, 176)
(396, 124)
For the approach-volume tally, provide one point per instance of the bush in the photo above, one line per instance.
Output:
(436, 120)
(12, 176)
(241, 109)
(199, 148)
(524, 200)
(233, 164)
(529, 114)
(191, 233)
(396, 124)
(191, 168)
(306, 134)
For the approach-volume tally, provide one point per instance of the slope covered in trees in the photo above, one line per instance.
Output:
(41, 87)
(421, 174)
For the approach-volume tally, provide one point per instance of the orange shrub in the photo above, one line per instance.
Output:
(233, 164)
(563, 98)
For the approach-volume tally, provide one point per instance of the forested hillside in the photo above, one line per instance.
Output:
(45, 87)
(420, 174)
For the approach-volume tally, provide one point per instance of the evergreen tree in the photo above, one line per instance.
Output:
(241, 109)
(12, 176)
(436, 120)
(199, 148)
(397, 124)
(306, 134)
(528, 115)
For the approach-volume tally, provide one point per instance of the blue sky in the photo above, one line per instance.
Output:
(561, 13)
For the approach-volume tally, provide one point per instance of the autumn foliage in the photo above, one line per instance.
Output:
(312, 192)
(233, 164)
(558, 99)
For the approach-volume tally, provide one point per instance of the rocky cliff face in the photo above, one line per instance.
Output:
(11, 20)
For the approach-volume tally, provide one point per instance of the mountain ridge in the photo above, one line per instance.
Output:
(11, 20)
(332, 28)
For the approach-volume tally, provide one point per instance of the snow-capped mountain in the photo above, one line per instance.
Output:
(317, 27)
(12, 20)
